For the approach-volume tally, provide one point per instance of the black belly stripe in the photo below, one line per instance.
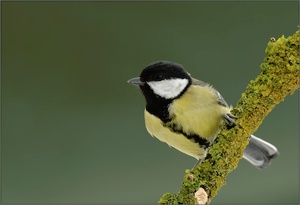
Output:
(198, 139)
(193, 137)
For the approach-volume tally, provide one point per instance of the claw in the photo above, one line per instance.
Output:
(229, 120)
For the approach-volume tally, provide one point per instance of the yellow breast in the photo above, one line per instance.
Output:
(195, 112)
(178, 141)
(198, 111)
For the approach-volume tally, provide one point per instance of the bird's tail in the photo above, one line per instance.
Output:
(259, 152)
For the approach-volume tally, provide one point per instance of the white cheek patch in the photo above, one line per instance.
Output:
(169, 88)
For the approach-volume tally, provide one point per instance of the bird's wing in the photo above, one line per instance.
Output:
(221, 100)
(228, 117)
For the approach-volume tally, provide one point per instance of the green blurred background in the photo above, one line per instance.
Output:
(73, 129)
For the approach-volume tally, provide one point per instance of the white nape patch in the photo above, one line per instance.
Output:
(169, 88)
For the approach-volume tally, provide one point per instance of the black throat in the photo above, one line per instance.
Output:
(155, 104)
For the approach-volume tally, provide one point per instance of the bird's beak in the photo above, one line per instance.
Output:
(135, 81)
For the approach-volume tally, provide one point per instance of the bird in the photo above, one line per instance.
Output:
(187, 113)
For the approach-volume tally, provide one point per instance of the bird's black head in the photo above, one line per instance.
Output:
(163, 70)
(161, 82)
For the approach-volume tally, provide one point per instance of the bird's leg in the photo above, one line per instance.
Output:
(198, 162)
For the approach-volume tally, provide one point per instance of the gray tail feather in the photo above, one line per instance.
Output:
(259, 152)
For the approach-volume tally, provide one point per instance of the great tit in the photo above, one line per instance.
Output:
(187, 113)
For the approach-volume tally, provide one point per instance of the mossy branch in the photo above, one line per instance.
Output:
(279, 77)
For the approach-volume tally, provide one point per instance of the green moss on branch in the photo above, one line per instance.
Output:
(279, 77)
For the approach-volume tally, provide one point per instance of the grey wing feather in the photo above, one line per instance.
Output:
(228, 117)
(221, 100)
(198, 82)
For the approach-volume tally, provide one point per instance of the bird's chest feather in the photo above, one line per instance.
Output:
(198, 111)
(157, 129)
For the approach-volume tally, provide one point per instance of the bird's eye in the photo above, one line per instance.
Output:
(159, 77)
